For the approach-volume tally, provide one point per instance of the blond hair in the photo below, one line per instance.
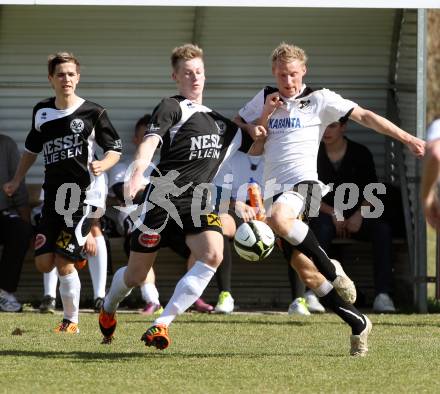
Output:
(185, 52)
(288, 53)
(59, 58)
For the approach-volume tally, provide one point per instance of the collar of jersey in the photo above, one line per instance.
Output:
(296, 97)
(72, 109)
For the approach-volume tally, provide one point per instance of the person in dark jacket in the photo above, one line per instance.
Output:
(345, 212)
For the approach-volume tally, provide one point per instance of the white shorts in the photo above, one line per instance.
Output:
(304, 200)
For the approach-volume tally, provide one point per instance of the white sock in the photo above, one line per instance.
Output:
(98, 268)
(149, 293)
(187, 291)
(322, 290)
(297, 233)
(50, 281)
(117, 292)
(70, 288)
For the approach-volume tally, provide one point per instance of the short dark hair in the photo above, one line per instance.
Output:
(143, 121)
(60, 58)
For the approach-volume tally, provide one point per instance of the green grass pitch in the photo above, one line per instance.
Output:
(248, 353)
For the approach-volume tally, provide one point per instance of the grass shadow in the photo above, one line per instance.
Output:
(236, 321)
(410, 324)
(82, 356)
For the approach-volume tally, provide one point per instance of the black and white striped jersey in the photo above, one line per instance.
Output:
(68, 139)
(195, 139)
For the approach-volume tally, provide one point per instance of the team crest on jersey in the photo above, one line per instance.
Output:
(221, 126)
(304, 103)
(63, 240)
(305, 106)
(40, 240)
(76, 125)
(213, 220)
(149, 240)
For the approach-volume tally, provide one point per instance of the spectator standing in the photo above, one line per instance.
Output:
(15, 227)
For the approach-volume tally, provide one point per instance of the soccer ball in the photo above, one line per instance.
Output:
(254, 240)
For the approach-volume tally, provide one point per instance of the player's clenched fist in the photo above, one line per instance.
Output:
(10, 188)
(273, 101)
(97, 167)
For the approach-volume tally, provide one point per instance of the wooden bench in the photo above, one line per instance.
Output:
(356, 257)
(263, 284)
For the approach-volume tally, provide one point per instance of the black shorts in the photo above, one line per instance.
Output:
(169, 224)
(55, 234)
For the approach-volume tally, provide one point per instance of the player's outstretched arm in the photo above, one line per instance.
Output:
(142, 160)
(256, 131)
(384, 126)
(26, 161)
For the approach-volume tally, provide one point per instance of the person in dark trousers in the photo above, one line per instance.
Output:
(15, 227)
(343, 161)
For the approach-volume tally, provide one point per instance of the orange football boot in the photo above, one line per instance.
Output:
(107, 324)
(157, 336)
(67, 326)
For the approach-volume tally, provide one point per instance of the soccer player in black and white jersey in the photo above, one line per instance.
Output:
(67, 129)
(194, 141)
(295, 117)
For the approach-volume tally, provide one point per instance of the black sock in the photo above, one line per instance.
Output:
(310, 247)
(223, 274)
(297, 287)
(345, 311)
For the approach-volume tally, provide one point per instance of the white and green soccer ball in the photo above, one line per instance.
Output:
(254, 240)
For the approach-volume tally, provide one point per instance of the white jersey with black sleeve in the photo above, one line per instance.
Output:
(295, 131)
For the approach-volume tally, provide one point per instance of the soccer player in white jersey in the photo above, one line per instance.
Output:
(67, 129)
(295, 117)
(431, 176)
